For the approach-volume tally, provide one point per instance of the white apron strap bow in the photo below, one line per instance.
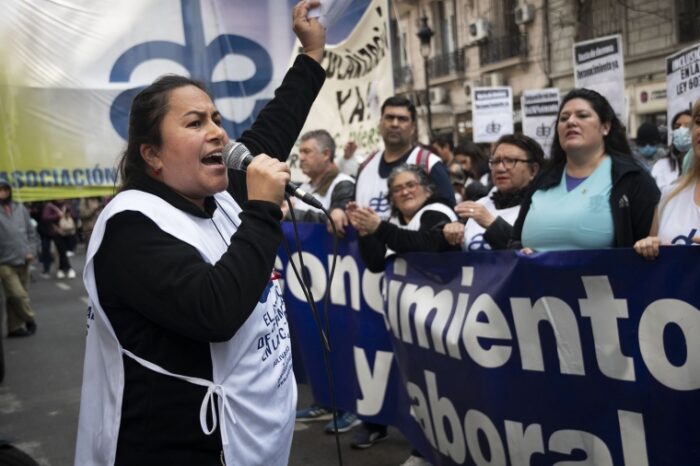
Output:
(208, 401)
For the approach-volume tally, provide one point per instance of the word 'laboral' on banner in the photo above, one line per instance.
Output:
(492, 110)
(599, 65)
(539, 109)
(682, 80)
(358, 80)
(497, 358)
(72, 68)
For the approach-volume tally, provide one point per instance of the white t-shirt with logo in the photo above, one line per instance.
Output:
(679, 220)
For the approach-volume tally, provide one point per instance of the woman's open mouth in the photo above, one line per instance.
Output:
(213, 159)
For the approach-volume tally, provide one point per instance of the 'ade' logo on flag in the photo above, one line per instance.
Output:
(199, 59)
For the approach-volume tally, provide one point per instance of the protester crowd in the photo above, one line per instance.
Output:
(596, 189)
(33, 237)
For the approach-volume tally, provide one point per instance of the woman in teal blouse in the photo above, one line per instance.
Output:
(593, 194)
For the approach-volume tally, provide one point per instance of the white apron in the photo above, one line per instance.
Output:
(371, 189)
(324, 200)
(474, 233)
(414, 224)
(252, 372)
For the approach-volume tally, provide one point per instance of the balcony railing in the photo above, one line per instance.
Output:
(446, 64)
(403, 76)
(497, 49)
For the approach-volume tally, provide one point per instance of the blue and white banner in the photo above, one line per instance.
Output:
(494, 358)
(71, 68)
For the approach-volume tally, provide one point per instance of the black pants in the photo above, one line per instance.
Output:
(62, 244)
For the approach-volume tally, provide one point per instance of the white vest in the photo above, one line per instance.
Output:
(474, 233)
(679, 219)
(414, 224)
(254, 382)
(371, 189)
(324, 200)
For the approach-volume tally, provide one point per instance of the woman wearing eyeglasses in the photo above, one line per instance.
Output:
(593, 195)
(487, 222)
(416, 213)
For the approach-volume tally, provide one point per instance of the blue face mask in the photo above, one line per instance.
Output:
(648, 151)
(681, 139)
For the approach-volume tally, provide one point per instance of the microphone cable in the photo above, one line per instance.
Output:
(323, 330)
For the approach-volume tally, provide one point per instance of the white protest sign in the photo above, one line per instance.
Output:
(492, 113)
(682, 80)
(539, 109)
(358, 80)
(599, 65)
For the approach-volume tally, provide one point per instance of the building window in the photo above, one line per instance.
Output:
(599, 18)
(446, 58)
(688, 19)
(403, 75)
(505, 40)
(443, 22)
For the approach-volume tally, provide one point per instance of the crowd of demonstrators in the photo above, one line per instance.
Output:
(333, 189)
(668, 169)
(17, 250)
(677, 218)
(60, 226)
(179, 277)
(648, 147)
(592, 194)
(515, 161)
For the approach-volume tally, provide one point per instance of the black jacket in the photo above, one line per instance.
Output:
(633, 200)
(166, 304)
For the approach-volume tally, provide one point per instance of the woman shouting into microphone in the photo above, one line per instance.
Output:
(188, 358)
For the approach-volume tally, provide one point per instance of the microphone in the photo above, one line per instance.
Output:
(238, 157)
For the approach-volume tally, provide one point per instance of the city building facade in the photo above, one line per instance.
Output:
(527, 44)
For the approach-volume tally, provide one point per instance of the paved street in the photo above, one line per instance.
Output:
(40, 395)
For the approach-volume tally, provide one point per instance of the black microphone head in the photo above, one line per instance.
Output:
(236, 155)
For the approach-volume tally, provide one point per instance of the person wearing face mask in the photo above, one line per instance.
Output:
(677, 218)
(648, 149)
(667, 170)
